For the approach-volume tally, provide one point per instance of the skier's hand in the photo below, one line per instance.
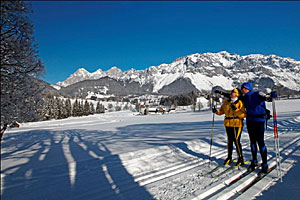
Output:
(232, 106)
(222, 93)
(274, 94)
(214, 110)
(269, 99)
(217, 91)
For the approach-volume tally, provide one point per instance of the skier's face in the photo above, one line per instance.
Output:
(233, 95)
(245, 91)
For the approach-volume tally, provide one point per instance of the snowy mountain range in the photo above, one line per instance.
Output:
(193, 72)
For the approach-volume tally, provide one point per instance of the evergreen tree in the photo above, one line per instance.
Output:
(47, 108)
(55, 109)
(98, 107)
(68, 107)
(63, 109)
(102, 109)
(86, 108)
(59, 108)
(80, 108)
(76, 108)
(92, 108)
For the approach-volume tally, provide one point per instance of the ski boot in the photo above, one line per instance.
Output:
(253, 165)
(240, 162)
(227, 161)
(264, 168)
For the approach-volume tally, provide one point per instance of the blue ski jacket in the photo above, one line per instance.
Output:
(255, 106)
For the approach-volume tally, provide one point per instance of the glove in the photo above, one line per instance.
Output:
(232, 106)
(218, 92)
(214, 110)
(274, 94)
(269, 99)
(222, 93)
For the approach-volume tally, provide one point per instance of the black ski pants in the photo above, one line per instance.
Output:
(256, 132)
(234, 136)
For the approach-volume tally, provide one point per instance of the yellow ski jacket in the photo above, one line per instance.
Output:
(233, 118)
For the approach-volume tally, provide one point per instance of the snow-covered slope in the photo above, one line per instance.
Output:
(125, 156)
(205, 71)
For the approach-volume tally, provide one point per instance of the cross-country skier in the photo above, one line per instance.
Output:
(234, 111)
(256, 111)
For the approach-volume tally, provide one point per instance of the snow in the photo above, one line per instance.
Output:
(121, 155)
(284, 71)
(163, 80)
(203, 82)
(102, 90)
(56, 86)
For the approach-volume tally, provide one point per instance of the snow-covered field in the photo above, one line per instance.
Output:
(125, 156)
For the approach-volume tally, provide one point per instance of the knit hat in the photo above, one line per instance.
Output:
(247, 85)
(236, 91)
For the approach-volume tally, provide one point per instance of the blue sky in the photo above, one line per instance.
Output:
(138, 35)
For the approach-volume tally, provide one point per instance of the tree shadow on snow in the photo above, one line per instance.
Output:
(79, 164)
(92, 172)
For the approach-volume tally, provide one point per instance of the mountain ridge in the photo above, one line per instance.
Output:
(204, 72)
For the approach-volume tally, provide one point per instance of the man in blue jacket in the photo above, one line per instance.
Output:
(254, 102)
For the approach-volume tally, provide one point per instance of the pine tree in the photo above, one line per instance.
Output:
(92, 108)
(63, 109)
(81, 108)
(68, 107)
(86, 108)
(102, 109)
(75, 109)
(98, 107)
(55, 109)
(47, 108)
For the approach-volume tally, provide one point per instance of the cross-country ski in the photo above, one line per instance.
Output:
(229, 169)
(260, 176)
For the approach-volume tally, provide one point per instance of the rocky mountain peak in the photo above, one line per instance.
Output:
(205, 71)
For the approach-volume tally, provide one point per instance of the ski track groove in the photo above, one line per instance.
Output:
(220, 191)
(263, 185)
(230, 191)
(155, 175)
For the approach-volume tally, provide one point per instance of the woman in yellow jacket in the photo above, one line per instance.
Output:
(234, 111)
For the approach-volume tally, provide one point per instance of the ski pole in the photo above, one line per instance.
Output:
(212, 130)
(276, 140)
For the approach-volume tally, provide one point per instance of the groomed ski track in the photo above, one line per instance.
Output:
(168, 171)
